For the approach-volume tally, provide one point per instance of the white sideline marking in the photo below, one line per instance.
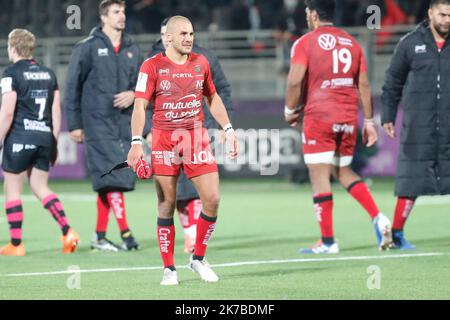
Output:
(232, 264)
(435, 200)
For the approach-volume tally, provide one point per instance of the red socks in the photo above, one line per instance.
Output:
(189, 212)
(402, 211)
(323, 208)
(14, 214)
(166, 241)
(361, 193)
(166, 238)
(194, 208)
(205, 229)
(102, 215)
(54, 206)
(116, 202)
(105, 202)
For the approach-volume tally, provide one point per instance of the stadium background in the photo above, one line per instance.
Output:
(252, 39)
(263, 220)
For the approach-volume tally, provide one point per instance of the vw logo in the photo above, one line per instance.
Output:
(165, 85)
(327, 42)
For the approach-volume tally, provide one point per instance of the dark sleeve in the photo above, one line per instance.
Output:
(395, 79)
(76, 75)
(220, 81)
(7, 82)
(134, 78)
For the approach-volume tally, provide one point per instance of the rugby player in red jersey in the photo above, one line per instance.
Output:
(175, 82)
(327, 74)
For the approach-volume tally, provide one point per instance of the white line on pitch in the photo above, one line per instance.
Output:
(432, 200)
(232, 264)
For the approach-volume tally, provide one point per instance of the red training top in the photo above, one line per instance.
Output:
(334, 60)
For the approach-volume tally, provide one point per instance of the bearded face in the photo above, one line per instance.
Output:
(440, 19)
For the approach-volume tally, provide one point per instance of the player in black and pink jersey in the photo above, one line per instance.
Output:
(327, 74)
(175, 82)
(30, 120)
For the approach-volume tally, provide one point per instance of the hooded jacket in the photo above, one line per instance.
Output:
(419, 75)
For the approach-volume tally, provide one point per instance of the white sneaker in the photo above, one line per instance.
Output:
(203, 269)
(170, 278)
(321, 247)
(383, 231)
(103, 244)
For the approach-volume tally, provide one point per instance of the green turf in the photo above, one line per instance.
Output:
(259, 220)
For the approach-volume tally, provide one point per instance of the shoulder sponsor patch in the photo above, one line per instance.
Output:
(6, 85)
(421, 49)
(141, 85)
(102, 52)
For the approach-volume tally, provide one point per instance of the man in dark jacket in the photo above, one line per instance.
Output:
(189, 205)
(420, 68)
(99, 92)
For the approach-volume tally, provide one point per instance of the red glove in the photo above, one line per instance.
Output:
(143, 170)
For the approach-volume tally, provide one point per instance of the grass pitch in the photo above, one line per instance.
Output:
(261, 226)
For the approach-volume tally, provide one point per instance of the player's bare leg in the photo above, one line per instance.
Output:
(323, 206)
(207, 186)
(345, 175)
(13, 186)
(39, 185)
(359, 191)
(319, 175)
(166, 192)
(167, 195)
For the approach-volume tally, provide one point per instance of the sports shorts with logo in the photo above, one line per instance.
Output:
(328, 143)
(181, 148)
(19, 156)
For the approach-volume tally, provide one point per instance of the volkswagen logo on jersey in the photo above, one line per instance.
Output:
(327, 42)
(165, 85)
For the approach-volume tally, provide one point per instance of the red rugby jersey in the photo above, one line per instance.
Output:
(176, 91)
(334, 60)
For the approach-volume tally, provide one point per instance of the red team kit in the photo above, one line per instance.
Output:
(331, 95)
(177, 91)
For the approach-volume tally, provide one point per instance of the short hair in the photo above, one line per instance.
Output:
(104, 6)
(173, 20)
(23, 41)
(164, 22)
(438, 2)
(324, 8)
